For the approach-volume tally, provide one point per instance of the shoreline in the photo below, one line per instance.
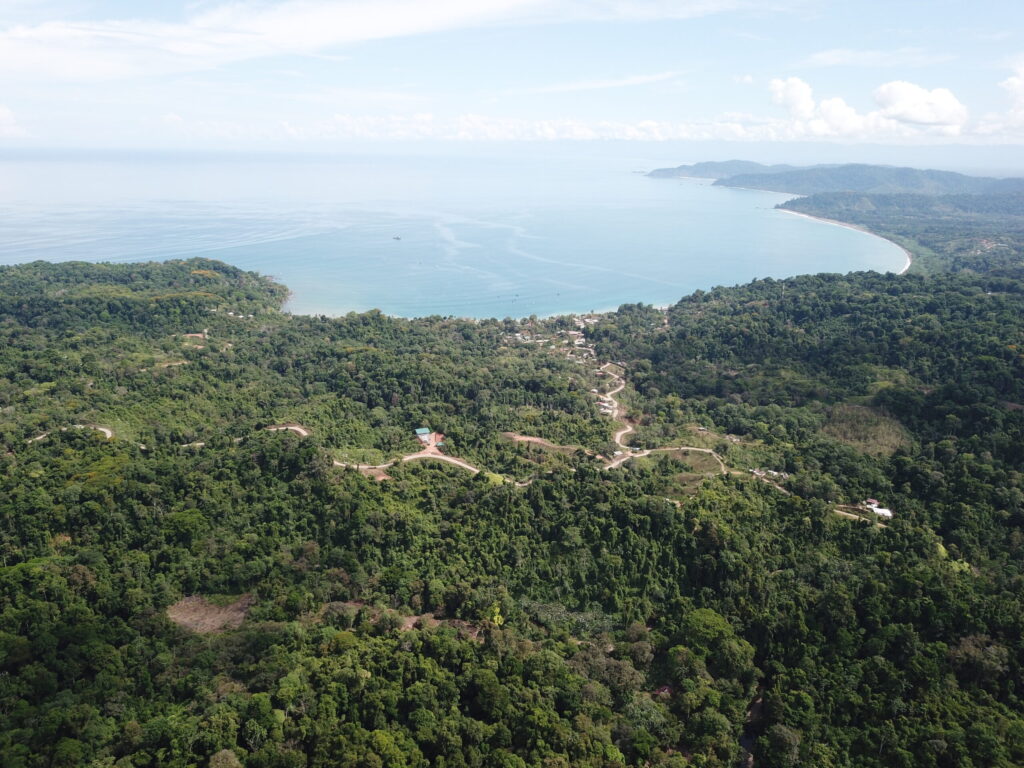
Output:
(296, 301)
(908, 254)
(467, 318)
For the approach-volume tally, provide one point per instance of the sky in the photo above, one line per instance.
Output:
(298, 75)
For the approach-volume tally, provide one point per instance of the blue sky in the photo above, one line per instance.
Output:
(301, 74)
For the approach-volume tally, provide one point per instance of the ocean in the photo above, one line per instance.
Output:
(441, 234)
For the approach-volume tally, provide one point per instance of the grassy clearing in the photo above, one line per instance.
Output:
(531, 444)
(360, 456)
(866, 429)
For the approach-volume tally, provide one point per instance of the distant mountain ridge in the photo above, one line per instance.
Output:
(720, 170)
(854, 177)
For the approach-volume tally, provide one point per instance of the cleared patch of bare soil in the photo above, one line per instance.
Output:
(197, 614)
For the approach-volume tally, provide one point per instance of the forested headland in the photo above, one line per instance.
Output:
(982, 233)
(196, 589)
(847, 177)
(948, 222)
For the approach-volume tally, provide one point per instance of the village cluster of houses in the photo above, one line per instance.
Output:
(575, 340)
(604, 403)
(578, 342)
(235, 314)
(579, 353)
(529, 338)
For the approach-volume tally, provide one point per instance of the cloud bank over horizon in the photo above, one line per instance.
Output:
(906, 111)
(295, 72)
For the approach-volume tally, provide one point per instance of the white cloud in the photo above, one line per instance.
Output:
(477, 127)
(1011, 123)
(249, 29)
(905, 110)
(1014, 85)
(850, 57)
(597, 85)
(795, 95)
(463, 127)
(9, 128)
(836, 117)
(910, 103)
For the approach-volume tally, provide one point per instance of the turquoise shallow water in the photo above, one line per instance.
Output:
(421, 236)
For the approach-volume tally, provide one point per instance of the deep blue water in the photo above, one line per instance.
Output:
(478, 237)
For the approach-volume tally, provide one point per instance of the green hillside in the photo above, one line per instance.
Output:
(879, 179)
(719, 170)
(853, 177)
(193, 589)
(979, 233)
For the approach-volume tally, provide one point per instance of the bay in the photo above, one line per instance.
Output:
(471, 236)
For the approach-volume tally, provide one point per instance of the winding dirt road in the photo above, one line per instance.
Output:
(617, 411)
(618, 414)
(850, 516)
(518, 438)
(431, 451)
(724, 469)
(426, 453)
(298, 429)
(620, 460)
(441, 457)
(108, 433)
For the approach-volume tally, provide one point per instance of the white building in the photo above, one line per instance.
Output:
(872, 504)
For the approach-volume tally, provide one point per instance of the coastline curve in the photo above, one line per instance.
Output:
(909, 256)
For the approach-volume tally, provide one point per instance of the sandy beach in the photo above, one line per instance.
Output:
(910, 257)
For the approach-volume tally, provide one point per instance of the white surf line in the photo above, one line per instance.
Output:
(516, 251)
(844, 225)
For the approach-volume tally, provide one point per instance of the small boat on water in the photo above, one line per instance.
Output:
(396, 237)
